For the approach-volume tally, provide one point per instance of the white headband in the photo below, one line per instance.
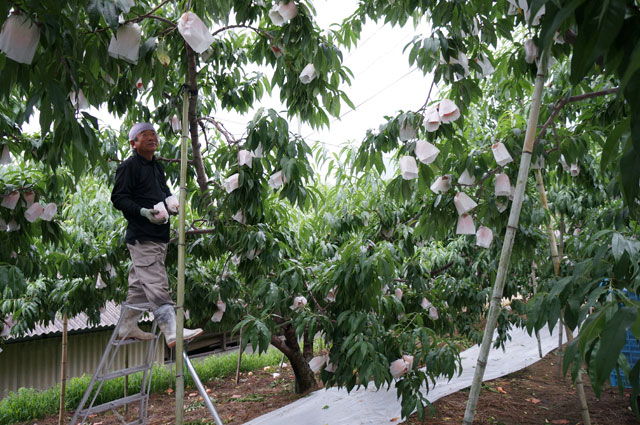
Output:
(139, 128)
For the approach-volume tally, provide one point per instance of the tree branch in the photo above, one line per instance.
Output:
(162, 158)
(156, 17)
(192, 86)
(433, 83)
(560, 104)
(280, 345)
(204, 133)
(436, 272)
(322, 310)
(149, 14)
(221, 128)
(257, 30)
(195, 232)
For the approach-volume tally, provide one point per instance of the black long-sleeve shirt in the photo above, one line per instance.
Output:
(140, 184)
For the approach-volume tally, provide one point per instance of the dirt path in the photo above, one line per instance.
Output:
(535, 395)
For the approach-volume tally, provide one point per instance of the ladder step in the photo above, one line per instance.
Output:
(113, 404)
(123, 372)
(127, 341)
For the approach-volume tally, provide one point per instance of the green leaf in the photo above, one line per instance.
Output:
(610, 148)
(110, 13)
(632, 67)
(630, 174)
(600, 25)
(618, 244)
(612, 339)
(93, 10)
(550, 26)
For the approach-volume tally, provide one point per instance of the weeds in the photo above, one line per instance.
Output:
(28, 404)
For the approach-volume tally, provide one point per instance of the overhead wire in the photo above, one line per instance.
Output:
(369, 98)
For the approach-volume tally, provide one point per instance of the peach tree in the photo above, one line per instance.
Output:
(384, 271)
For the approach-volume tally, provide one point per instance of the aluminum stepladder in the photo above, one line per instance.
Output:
(104, 373)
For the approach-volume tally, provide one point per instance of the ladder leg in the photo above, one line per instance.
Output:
(104, 373)
(103, 360)
(201, 389)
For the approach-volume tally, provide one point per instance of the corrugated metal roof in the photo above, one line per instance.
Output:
(109, 316)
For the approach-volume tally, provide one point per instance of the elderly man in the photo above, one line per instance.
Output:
(140, 184)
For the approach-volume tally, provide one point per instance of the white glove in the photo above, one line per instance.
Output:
(162, 212)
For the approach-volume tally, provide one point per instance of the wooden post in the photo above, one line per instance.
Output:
(63, 370)
(181, 263)
(507, 246)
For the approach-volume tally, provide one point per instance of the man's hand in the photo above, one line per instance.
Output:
(151, 215)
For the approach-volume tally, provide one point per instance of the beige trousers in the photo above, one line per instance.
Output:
(148, 280)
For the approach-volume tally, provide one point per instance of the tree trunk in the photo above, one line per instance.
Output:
(192, 83)
(63, 370)
(307, 348)
(555, 256)
(304, 376)
(507, 246)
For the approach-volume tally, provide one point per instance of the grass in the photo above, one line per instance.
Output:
(28, 404)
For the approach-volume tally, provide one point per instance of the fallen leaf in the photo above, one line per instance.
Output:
(393, 419)
(559, 421)
(500, 390)
(236, 396)
(533, 400)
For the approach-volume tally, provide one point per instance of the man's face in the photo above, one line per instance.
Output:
(146, 142)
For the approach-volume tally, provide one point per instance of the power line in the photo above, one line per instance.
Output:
(383, 55)
(369, 98)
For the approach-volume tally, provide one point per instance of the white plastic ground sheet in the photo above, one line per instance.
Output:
(368, 406)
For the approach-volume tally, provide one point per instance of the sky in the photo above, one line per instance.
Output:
(383, 82)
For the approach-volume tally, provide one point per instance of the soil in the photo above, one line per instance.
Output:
(535, 395)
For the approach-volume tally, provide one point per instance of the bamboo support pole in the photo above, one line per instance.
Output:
(181, 263)
(584, 407)
(505, 255)
(63, 370)
(560, 359)
(126, 378)
(534, 282)
(240, 351)
(553, 247)
(555, 257)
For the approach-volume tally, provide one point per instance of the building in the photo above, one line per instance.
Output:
(34, 360)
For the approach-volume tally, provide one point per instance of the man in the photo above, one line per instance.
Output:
(140, 184)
